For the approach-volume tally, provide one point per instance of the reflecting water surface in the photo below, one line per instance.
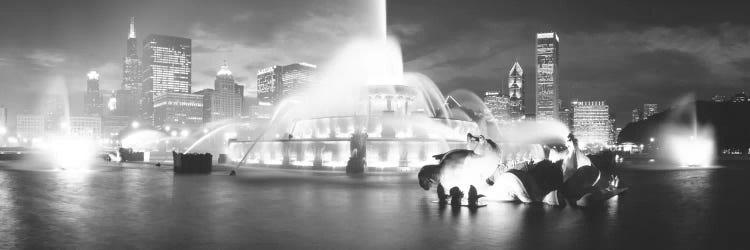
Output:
(148, 207)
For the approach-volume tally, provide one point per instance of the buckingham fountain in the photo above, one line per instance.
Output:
(394, 133)
(365, 110)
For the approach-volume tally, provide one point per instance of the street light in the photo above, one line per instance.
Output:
(184, 133)
(652, 139)
(135, 124)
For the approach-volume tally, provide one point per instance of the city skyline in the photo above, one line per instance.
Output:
(62, 58)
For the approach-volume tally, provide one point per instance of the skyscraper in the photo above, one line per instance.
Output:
(591, 123)
(227, 96)
(649, 110)
(516, 92)
(92, 102)
(278, 82)
(498, 105)
(636, 114)
(131, 67)
(128, 98)
(269, 79)
(296, 77)
(612, 129)
(167, 68)
(547, 56)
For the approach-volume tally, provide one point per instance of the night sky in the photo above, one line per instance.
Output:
(625, 52)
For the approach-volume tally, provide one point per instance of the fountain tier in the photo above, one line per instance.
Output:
(400, 136)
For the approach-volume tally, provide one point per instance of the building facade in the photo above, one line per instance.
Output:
(93, 104)
(227, 97)
(112, 125)
(636, 115)
(278, 82)
(86, 126)
(591, 123)
(516, 92)
(649, 109)
(30, 126)
(208, 98)
(167, 62)
(612, 129)
(269, 79)
(178, 110)
(295, 78)
(547, 71)
(498, 106)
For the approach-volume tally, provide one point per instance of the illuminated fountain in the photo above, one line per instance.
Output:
(688, 143)
(363, 91)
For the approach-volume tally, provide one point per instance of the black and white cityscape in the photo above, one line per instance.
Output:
(377, 124)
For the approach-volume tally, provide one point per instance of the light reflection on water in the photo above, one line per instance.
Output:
(130, 207)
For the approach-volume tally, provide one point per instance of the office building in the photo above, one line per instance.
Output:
(591, 123)
(636, 115)
(498, 106)
(178, 110)
(226, 98)
(86, 126)
(30, 126)
(547, 71)
(278, 82)
(93, 104)
(131, 67)
(167, 62)
(649, 110)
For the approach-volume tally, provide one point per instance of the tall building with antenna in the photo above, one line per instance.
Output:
(131, 67)
(128, 98)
